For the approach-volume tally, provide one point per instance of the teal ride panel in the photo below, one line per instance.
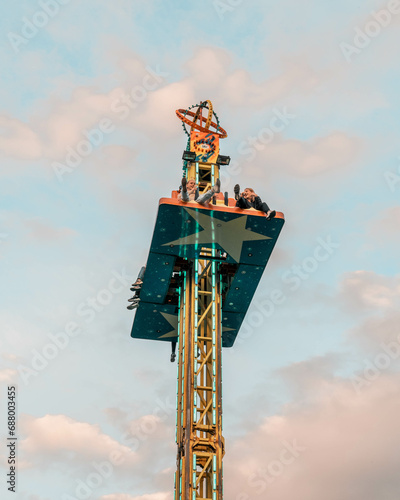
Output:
(231, 323)
(242, 288)
(246, 239)
(159, 269)
(156, 322)
(182, 230)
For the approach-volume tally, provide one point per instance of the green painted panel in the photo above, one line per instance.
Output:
(242, 288)
(181, 231)
(184, 230)
(157, 277)
(155, 322)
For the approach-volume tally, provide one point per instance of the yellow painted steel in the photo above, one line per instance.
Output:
(210, 113)
(205, 175)
(199, 115)
(199, 406)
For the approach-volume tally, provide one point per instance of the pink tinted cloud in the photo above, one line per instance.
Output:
(376, 332)
(240, 90)
(340, 445)
(368, 291)
(333, 152)
(61, 123)
(236, 87)
(207, 61)
(64, 123)
(151, 496)
(8, 375)
(19, 140)
(376, 299)
(384, 229)
(43, 232)
(55, 437)
(114, 172)
(159, 112)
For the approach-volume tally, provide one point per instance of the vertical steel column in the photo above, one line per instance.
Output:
(199, 395)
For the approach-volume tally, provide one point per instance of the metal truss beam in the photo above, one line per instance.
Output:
(199, 393)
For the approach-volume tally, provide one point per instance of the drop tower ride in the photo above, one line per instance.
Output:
(203, 268)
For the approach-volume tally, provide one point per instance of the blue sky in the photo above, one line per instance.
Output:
(316, 369)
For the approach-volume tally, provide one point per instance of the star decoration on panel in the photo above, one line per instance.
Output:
(228, 235)
(173, 321)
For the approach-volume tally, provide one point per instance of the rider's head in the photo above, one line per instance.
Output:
(248, 193)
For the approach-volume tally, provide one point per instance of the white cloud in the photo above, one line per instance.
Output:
(376, 331)
(42, 231)
(9, 356)
(55, 437)
(366, 290)
(19, 140)
(384, 228)
(332, 152)
(8, 375)
(339, 445)
(64, 123)
(151, 496)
